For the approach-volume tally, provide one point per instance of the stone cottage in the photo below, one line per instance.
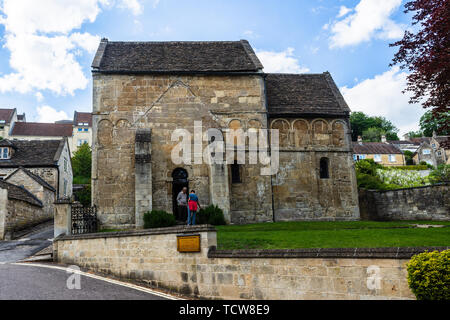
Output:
(46, 162)
(143, 91)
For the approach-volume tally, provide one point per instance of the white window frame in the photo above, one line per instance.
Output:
(392, 158)
(377, 157)
(426, 151)
(2, 153)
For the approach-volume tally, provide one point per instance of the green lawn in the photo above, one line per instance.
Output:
(355, 234)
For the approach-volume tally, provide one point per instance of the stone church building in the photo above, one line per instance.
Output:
(143, 91)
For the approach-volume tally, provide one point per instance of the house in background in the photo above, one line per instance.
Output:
(382, 153)
(82, 130)
(434, 151)
(77, 131)
(47, 160)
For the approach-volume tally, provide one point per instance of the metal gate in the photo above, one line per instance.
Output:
(84, 219)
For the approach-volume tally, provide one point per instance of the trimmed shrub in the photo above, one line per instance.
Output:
(211, 215)
(367, 181)
(158, 219)
(429, 275)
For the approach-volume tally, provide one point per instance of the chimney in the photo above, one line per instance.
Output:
(434, 134)
(406, 137)
(359, 139)
(383, 139)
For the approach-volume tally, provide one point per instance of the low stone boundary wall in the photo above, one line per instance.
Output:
(151, 257)
(422, 203)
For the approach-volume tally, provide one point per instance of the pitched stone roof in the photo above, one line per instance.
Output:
(304, 94)
(42, 129)
(398, 142)
(445, 144)
(375, 148)
(175, 57)
(34, 153)
(6, 115)
(82, 117)
(20, 193)
(36, 178)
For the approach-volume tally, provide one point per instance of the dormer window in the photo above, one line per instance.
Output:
(4, 153)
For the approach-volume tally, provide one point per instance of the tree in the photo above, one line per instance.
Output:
(373, 135)
(82, 162)
(429, 123)
(360, 122)
(415, 134)
(426, 55)
(408, 157)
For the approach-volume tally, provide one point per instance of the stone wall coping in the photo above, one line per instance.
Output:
(146, 232)
(412, 188)
(352, 253)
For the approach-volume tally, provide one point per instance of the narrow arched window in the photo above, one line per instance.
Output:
(235, 173)
(324, 168)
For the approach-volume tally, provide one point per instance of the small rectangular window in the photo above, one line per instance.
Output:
(324, 168)
(426, 151)
(65, 187)
(377, 158)
(392, 158)
(80, 129)
(86, 129)
(4, 153)
(65, 165)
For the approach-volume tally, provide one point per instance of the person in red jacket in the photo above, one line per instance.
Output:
(194, 205)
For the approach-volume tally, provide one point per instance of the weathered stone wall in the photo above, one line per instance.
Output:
(299, 191)
(16, 215)
(123, 104)
(47, 197)
(423, 203)
(151, 257)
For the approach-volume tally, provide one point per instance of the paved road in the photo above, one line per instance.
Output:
(14, 250)
(34, 282)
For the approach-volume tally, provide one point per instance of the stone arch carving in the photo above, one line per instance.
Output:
(122, 131)
(338, 128)
(301, 132)
(283, 127)
(254, 124)
(320, 131)
(235, 124)
(105, 132)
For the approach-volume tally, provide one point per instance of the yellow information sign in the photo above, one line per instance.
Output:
(189, 243)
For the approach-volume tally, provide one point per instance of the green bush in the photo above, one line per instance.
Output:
(367, 166)
(429, 275)
(412, 167)
(211, 215)
(440, 174)
(367, 181)
(158, 219)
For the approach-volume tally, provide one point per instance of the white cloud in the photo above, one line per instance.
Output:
(280, 62)
(50, 115)
(135, 6)
(382, 96)
(371, 18)
(39, 96)
(43, 46)
(343, 11)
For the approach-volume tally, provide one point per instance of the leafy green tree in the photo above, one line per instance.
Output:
(415, 134)
(373, 135)
(430, 123)
(82, 162)
(361, 122)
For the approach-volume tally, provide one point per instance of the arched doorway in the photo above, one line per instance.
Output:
(180, 180)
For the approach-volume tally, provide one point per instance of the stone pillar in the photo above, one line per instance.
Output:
(143, 175)
(219, 188)
(63, 217)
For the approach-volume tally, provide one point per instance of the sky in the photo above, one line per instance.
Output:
(47, 46)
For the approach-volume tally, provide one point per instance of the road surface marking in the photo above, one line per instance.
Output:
(120, 283)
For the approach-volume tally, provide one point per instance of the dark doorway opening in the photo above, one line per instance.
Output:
(180, 180)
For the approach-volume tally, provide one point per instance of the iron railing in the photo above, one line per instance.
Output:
(84, 219)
